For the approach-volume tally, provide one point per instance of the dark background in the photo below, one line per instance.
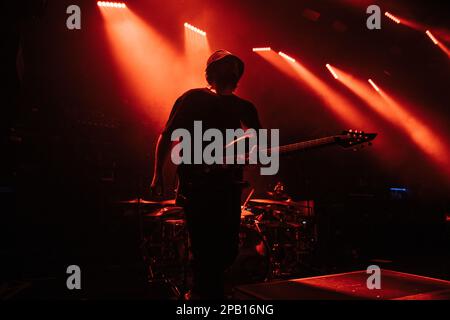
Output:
(73, 143)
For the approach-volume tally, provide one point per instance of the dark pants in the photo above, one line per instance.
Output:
(213, 220)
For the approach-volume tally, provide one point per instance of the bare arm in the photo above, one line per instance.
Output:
(163, 147)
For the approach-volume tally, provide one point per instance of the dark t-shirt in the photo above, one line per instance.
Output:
(215, 111)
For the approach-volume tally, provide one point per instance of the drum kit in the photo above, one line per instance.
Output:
(276, 236)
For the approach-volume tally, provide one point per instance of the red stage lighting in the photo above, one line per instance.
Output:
(197, 51)
(345, 110)
(392, 17)
(374, 85)
(438, 43)
(195, 29)
(147, 63)
(430, 35)
(403, 115)
(261, 49)
(107, 4)
(418, 26)
(330, 68)
(337, 103)
(284, 55)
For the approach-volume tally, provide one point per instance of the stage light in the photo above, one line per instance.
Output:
(374, 85)
(406, 22)
(344, 109)
(284, 55)
(197, 51)
(195, 29)
(330, 68)
(405, 116)
(261, 49)
(392, 17)
(107, 4)
(438, 43)
(146, 61)
(430, 35)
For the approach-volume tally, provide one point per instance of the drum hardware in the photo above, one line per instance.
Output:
(287, 227)
(149, 242)
(253, 263)
(272, 243)
(275, 237)
(167, 247)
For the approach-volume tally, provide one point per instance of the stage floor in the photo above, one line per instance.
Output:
(349, 286)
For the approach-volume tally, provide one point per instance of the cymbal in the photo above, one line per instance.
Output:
(275, 202)
(286, 203)
(165, 212)
(176, 221)
(246, 213)
(169, 202)
(142, 201)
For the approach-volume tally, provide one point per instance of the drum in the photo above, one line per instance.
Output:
(166, 236)
(168, 246)
(252, 264)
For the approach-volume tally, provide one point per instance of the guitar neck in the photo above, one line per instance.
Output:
(303, 145)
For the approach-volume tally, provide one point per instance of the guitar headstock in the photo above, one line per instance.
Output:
(353, 138)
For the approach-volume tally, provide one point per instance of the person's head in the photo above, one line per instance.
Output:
(223, 71)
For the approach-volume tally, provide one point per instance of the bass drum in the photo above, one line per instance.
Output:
(252, 264)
